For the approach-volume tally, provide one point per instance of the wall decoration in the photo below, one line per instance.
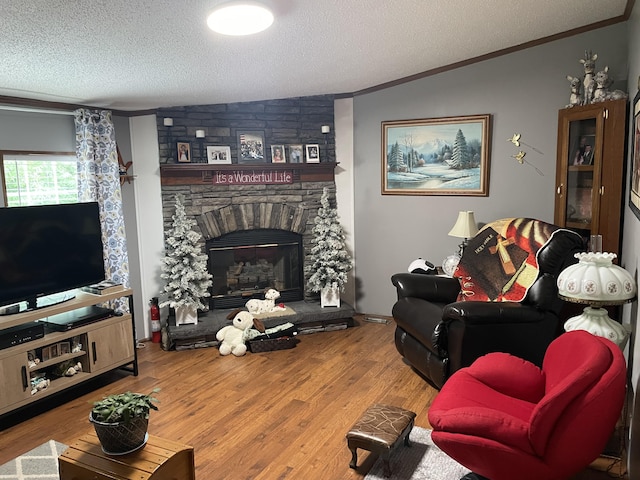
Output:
(219, 155)
(251, 147)
(277, 154)
(313, 153)
(184, 152)
(516, 140)
(634, 195)
(295, 154)
(437, 156)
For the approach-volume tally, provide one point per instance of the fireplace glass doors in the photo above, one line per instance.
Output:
(245, 263)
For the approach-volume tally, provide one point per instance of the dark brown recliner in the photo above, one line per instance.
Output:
(437, 334)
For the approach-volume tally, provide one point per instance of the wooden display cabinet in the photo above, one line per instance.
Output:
(101, 346)
(590, 171)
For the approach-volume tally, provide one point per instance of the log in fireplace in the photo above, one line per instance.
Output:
(244, 263)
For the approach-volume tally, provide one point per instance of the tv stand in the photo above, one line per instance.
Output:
(99, 347)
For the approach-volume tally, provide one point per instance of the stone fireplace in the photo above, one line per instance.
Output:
(256, 235)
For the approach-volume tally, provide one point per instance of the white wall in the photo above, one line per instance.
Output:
(149, 232)
(343, 123)
(523, 91)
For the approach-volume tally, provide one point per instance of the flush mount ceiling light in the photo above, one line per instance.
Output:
(240, 18)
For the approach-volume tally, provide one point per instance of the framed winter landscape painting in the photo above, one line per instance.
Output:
(436, 156)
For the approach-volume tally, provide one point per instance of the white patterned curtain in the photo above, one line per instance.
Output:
(99, 181)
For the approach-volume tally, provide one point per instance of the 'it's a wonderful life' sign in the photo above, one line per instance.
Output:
(253, 177)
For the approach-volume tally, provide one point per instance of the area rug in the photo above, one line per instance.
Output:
(422, 461)
(41, 463)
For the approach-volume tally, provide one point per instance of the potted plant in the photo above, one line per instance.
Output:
(329, 260)
(121, 420)
(184, 267)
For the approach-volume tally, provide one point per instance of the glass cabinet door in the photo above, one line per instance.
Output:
(580, 168)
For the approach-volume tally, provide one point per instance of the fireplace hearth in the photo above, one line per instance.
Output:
(245, 263)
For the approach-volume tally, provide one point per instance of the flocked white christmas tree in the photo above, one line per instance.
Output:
(184, 266)
(329, 261)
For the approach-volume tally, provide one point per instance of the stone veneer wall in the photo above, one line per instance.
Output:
(286, 121)
(221, 209)
(224, 209)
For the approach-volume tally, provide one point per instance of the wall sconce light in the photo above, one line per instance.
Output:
(200, 133)
(168, 122)
(325, 129)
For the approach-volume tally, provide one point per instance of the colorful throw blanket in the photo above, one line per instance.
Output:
(500, 263)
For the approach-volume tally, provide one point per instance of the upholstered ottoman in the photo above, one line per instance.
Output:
(380, 430)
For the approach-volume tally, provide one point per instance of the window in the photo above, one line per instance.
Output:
(39, 178)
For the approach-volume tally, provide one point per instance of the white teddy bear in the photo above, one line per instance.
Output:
(232, 337)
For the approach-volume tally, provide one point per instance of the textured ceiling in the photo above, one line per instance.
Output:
(143, 54)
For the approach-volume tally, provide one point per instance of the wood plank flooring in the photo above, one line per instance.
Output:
(273, 415)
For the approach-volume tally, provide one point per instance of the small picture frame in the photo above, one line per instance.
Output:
(218, 155)
(64, 348)
(296, 154)
(54, 351)
(184, 152)
(313, 153)
(251, 147)
(46, 354)
(277, 154)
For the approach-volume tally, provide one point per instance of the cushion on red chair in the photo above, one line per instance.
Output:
(498, 370)
(565, 381)
(468, 406)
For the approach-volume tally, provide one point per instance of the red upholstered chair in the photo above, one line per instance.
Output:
(504, 418)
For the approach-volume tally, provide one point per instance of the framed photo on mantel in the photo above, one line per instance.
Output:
(251, 147)
(184, 152)
(277, 154)
(313, 153)
(218, 155)
(296, 154)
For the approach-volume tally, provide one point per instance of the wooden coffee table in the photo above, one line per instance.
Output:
(159, 459)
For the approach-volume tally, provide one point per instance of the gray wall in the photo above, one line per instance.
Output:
(523, 91)
(631, 254)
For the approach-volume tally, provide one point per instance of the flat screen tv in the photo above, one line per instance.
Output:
(48, 249)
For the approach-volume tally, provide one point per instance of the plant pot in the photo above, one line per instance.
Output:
(123, 437)
(186, 315)
(330, 296)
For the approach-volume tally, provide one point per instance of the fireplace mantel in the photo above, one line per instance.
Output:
(203, 173)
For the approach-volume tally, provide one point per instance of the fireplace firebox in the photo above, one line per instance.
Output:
(245, 263)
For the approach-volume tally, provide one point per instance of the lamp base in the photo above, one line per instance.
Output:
(597, 322)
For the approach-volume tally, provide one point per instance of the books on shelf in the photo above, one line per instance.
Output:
(103, 288)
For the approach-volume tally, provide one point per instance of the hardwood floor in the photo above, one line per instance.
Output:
(273, 415)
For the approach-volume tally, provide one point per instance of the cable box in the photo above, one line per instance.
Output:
(63, 322)
(12, 336)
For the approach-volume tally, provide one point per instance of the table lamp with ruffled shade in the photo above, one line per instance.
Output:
(597, 282)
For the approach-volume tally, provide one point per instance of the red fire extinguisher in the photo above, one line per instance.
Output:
(155, 321)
